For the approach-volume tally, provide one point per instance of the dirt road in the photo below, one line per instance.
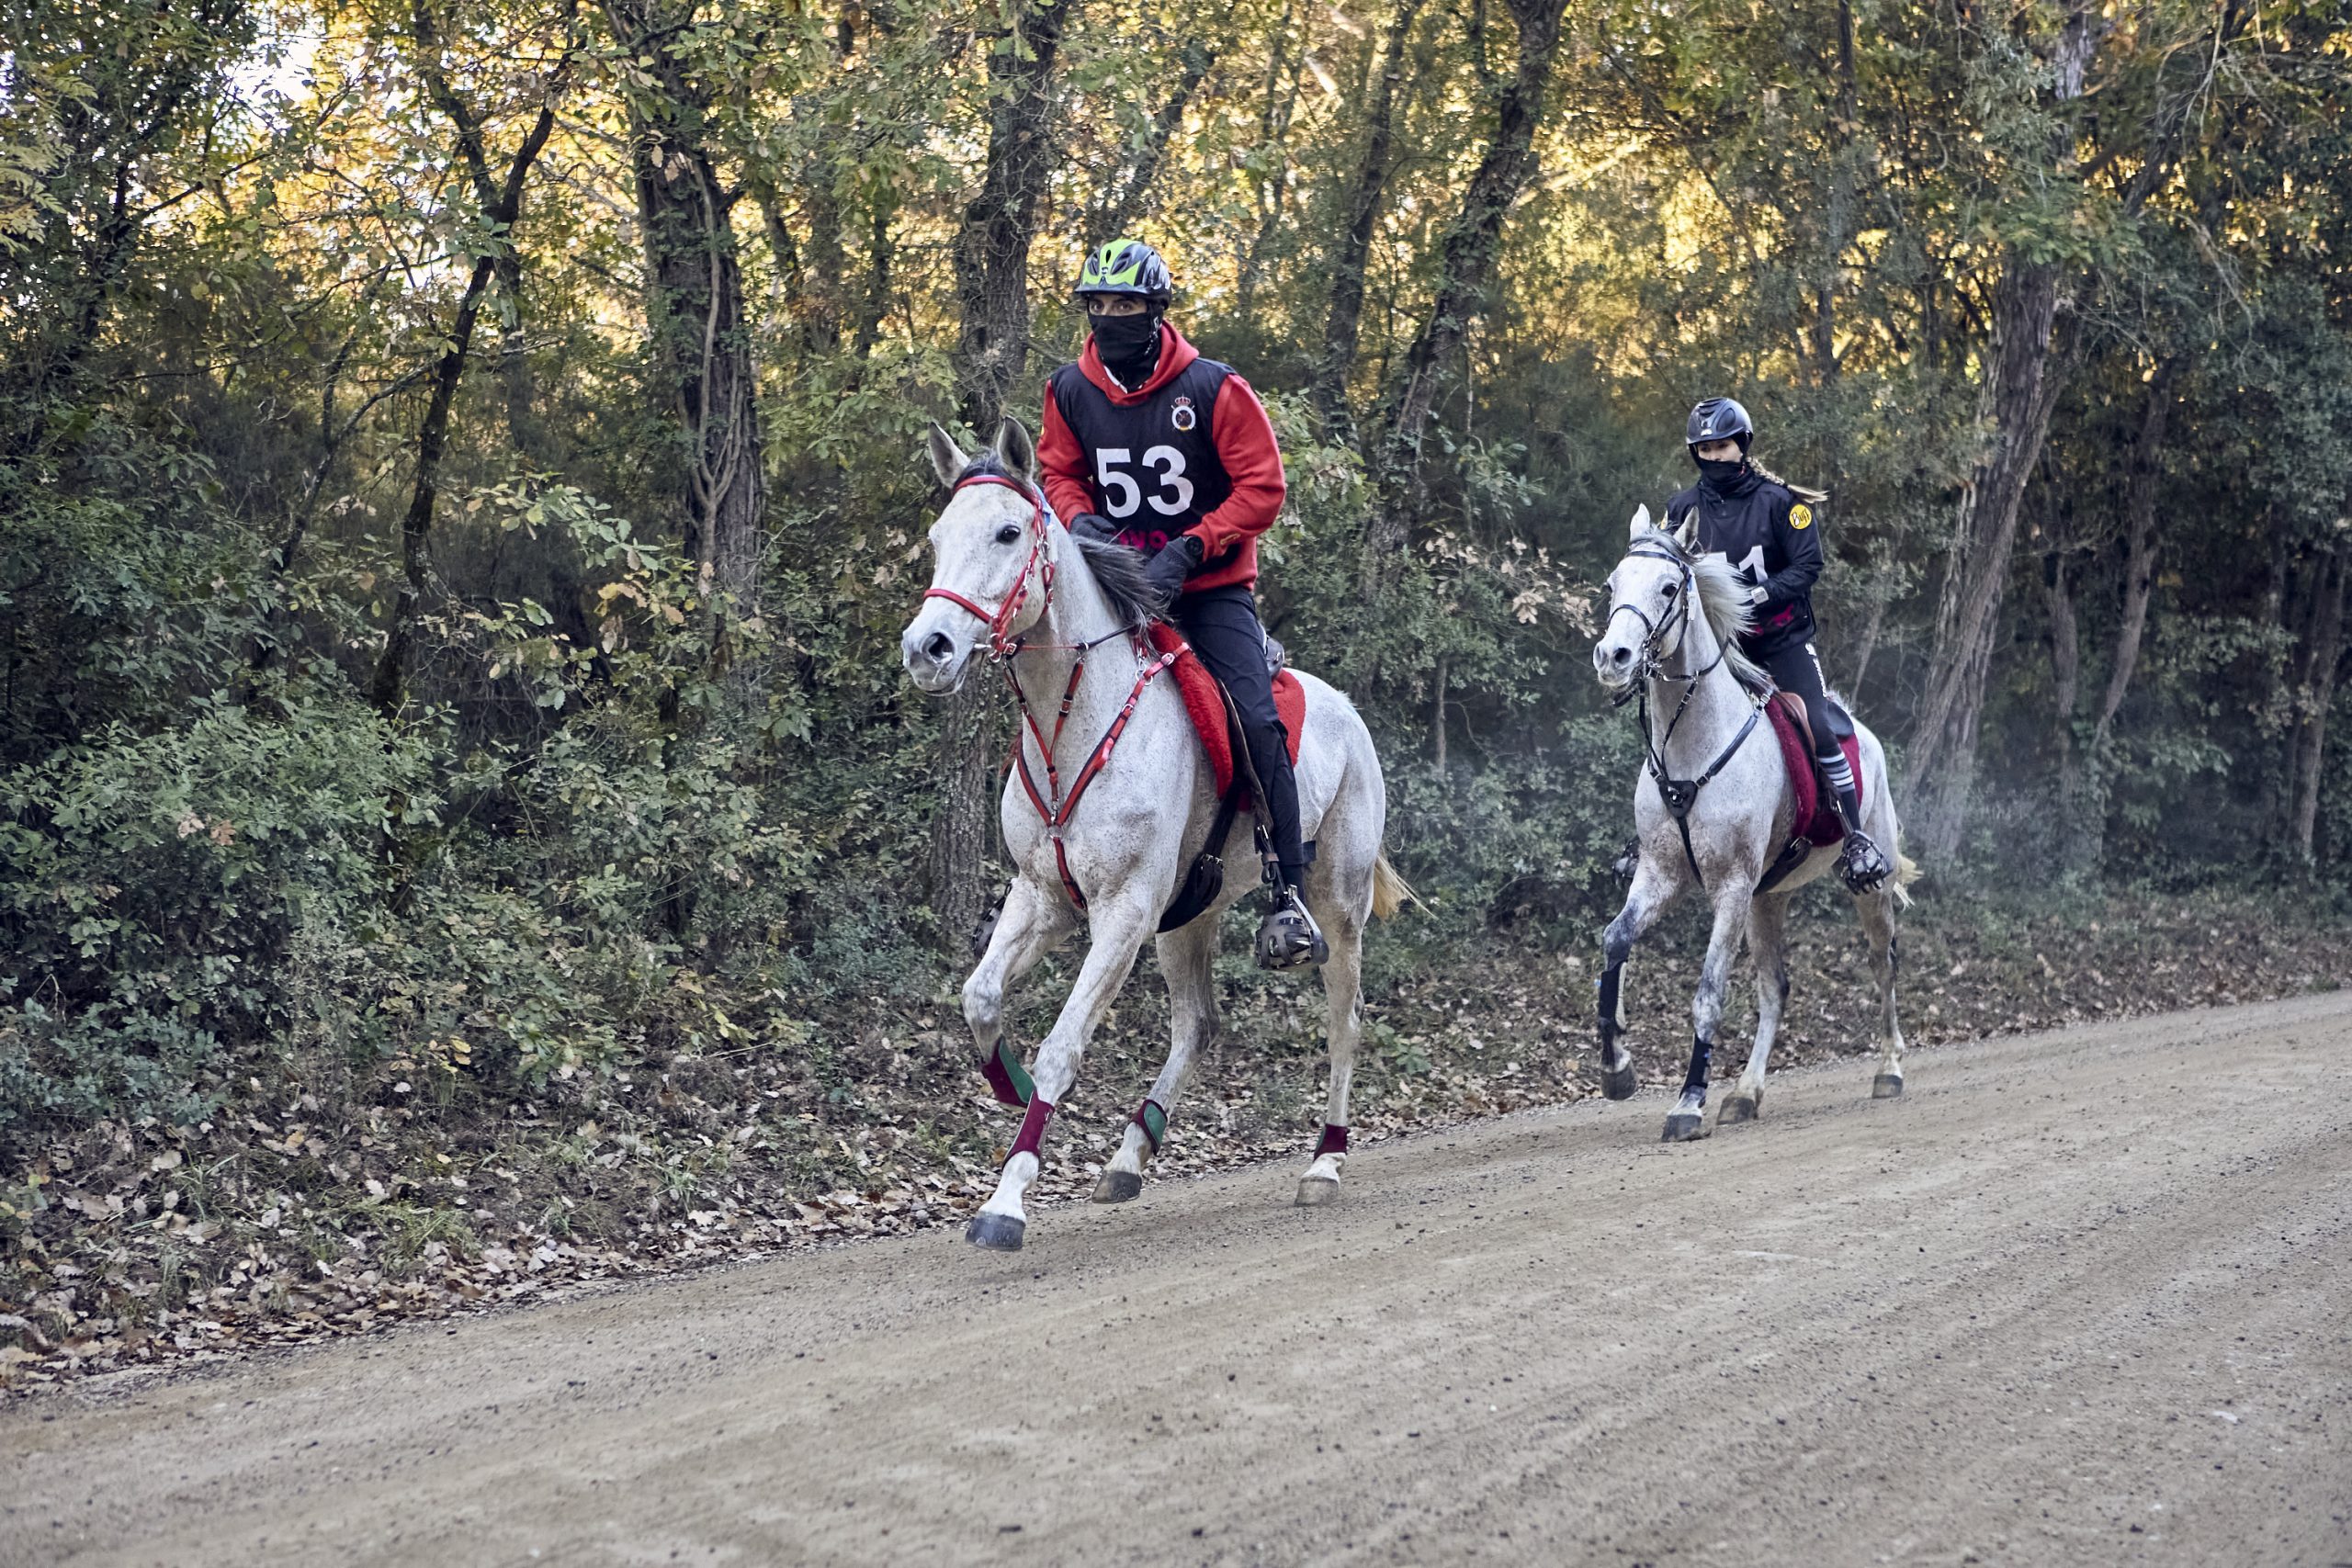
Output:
(2078, 1298)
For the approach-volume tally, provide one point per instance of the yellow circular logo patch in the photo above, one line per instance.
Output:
(1800, 515)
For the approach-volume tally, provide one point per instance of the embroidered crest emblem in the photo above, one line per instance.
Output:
(1800, 515)
(1181, 416)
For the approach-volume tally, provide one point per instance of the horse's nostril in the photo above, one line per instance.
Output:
(1621, 656)
(937, 648)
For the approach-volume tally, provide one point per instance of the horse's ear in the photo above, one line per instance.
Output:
(1640, 520)
(1017, 450)
(1687, 536)
(948, 459)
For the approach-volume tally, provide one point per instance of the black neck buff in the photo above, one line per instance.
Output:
(1720, 475)
(1128, 346)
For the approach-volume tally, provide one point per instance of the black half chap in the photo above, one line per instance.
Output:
(1222, 625)
(1796, 669)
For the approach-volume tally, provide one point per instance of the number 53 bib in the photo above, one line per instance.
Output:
(1152, 465)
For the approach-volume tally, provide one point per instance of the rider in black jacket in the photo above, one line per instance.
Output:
(1767, 531)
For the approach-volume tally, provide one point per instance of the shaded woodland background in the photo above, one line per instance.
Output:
(459, 485)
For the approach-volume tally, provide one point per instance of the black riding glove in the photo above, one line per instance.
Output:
(1095, 525)
(1174, 563)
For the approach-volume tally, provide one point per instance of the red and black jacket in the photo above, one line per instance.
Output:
(1189, 451)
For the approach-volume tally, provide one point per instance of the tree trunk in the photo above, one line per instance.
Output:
(1466, 266)
(524, 430)
(2014, 411)
(2140, 546)
(991, 244)
(1839, 220)
(1343, 321)
(1273, 137)
(694, 312)
(501, 204)
(991, 359)
(1108, 221)
(2273, 716)
(389, 685)
(881, 250)
(2058, 584)
(1867, 645)
(147, 100)
(2317, 695)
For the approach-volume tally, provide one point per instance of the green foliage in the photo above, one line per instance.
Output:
(153, 889)
(607, 825)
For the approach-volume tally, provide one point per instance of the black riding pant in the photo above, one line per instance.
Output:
(1795, 668)
(1222, 625)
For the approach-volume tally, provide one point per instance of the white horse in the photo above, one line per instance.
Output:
(1708, 746)
(1125, 804)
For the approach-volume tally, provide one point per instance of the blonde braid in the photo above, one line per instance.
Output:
(1801, 492)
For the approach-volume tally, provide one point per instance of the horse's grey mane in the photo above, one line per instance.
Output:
(1118, 572)
(1723, 595)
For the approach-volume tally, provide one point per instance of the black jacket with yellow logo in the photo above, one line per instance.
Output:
(1771, 536)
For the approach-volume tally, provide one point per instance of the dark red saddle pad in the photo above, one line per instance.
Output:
(1202, 701)
(1816, 813)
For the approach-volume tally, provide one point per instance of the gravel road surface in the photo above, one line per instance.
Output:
(2077, 1297)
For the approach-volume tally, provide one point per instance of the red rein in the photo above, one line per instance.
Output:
(1056, 811)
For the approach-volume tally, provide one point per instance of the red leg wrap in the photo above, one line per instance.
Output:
(1032, 1129)
(1335, 1141)
(1006, 1080)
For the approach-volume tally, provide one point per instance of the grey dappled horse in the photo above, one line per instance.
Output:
(1111, 754)
(1674, 618)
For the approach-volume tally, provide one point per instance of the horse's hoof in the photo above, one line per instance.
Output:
(1739, 1108)
(1683, 1127)
(1886, 1085)
(1314, 1191)
(1118, 1187)
(997, 1233)
(1618, 1084)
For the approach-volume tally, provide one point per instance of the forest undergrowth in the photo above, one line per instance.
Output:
(312, 1204)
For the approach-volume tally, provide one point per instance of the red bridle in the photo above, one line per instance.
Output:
(1054, 808)
(1002, 647)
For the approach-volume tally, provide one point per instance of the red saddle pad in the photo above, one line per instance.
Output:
(1207, 708)
(1817, 812)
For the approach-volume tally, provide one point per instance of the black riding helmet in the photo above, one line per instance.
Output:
(1719, 419)
(1128, 266)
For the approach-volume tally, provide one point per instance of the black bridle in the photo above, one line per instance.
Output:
(1679, 794)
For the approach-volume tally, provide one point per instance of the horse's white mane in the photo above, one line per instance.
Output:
(1722, 596)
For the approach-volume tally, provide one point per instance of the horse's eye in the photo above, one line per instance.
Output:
(1669, 590)
(1009, 534)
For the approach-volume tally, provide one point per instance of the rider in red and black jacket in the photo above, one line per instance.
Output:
(1149, 445)
(1766, 528)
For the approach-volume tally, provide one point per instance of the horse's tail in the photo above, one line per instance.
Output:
(1907, 872)
(1390, 892)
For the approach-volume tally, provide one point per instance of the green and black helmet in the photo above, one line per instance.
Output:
(1127, 266)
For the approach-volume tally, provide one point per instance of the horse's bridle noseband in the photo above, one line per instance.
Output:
(1000, 645)
(1653, 648)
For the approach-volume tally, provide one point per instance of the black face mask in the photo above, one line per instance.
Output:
(1716, 476)
(1128, 346)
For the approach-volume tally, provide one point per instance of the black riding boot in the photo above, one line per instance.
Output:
(1861, 863)
(1288, 936)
